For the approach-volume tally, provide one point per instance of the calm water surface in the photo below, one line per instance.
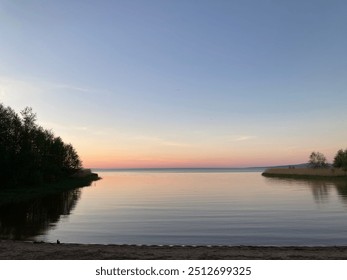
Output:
(186, 207)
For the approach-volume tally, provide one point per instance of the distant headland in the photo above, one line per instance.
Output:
(294, 172)
(317, 167)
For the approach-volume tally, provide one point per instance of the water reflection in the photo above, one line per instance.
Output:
(342, 191)
(30, 218)
(186, 208)
(321, 189)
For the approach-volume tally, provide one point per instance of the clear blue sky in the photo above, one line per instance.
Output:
(180, 83)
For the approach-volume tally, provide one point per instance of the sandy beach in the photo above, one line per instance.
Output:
(20, 250)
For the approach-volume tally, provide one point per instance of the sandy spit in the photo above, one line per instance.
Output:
(20, 250)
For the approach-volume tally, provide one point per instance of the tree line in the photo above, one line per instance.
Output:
(31, 155)
(318, 160)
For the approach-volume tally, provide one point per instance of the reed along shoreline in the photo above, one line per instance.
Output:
(308, 173)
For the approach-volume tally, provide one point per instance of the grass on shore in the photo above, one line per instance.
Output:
(18, 194)
(306, 173)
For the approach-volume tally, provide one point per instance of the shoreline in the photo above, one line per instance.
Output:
(19, 194)
(25, 250)
(306, 173)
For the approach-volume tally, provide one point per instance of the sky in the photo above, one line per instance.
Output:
(180, 83)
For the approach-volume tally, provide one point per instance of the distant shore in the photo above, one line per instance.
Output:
(305, 172)
(20, 250)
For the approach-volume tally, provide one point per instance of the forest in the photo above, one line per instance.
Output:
(31, 155)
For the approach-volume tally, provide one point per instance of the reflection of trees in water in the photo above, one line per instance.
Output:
(320, 188)
(30, 218)
(341, 188)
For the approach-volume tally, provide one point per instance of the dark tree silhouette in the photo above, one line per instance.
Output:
(340, 160)
(317, 160)
(30, 154)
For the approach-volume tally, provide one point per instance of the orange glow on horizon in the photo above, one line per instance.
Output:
(103, 157)
(189, 163)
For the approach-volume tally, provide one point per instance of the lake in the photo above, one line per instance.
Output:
(186, 207)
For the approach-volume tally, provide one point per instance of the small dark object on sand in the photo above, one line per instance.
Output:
(58, 242)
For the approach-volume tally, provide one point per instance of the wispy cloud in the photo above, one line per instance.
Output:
(18, 93)
(173, 144)
(55, 125)
(240, 138)
(10, 86)
(73, 88)
(161, 141)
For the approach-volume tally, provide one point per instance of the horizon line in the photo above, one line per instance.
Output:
(206, 167)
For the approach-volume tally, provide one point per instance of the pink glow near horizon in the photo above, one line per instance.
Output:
(186, 164)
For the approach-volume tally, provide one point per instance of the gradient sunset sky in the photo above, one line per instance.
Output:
(180, 83)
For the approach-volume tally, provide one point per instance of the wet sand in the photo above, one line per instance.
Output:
(20, 250)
